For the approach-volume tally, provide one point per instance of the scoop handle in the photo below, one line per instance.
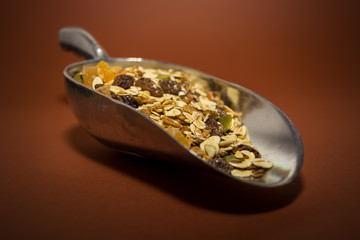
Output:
(81, 42)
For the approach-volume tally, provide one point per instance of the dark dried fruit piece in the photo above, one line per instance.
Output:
(221, 164)
(144, 83)
(215, 127)
(127, 100)
(170, 86)
(124, 81)
(156, 92)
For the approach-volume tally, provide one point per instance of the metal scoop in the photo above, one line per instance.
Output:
(122, 127)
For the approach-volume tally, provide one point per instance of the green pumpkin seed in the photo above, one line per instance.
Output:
(78, 77)
(232, 158)
(163, 76)
(226, 121)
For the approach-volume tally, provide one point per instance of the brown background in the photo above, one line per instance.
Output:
(57, 182)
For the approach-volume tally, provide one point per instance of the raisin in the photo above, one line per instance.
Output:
(144, 83)
(127, 100)
(124, 81)
(156, 92)
(221, 164)
(214, 126)
(170, 86)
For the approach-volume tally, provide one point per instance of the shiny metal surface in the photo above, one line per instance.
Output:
(121, 127)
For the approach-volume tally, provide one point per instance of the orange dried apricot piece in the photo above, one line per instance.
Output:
(104, 72)
(89, 73)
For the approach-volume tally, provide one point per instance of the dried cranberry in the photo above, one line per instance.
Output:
(124, 81)
(170, 86)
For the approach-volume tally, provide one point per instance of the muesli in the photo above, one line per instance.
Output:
(197, 118)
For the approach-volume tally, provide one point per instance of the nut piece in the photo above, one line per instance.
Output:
(264, 163)
(211, 146)
(96, 81)
(238, 154)
(244, 164)
(241, 173)
(117, 90)
(227, 140)
(248, 155)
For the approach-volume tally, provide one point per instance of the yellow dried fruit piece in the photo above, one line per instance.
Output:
(89, 73)
(178, 135)
(104, 71)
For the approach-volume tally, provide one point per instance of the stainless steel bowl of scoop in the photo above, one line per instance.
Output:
(122, 127)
